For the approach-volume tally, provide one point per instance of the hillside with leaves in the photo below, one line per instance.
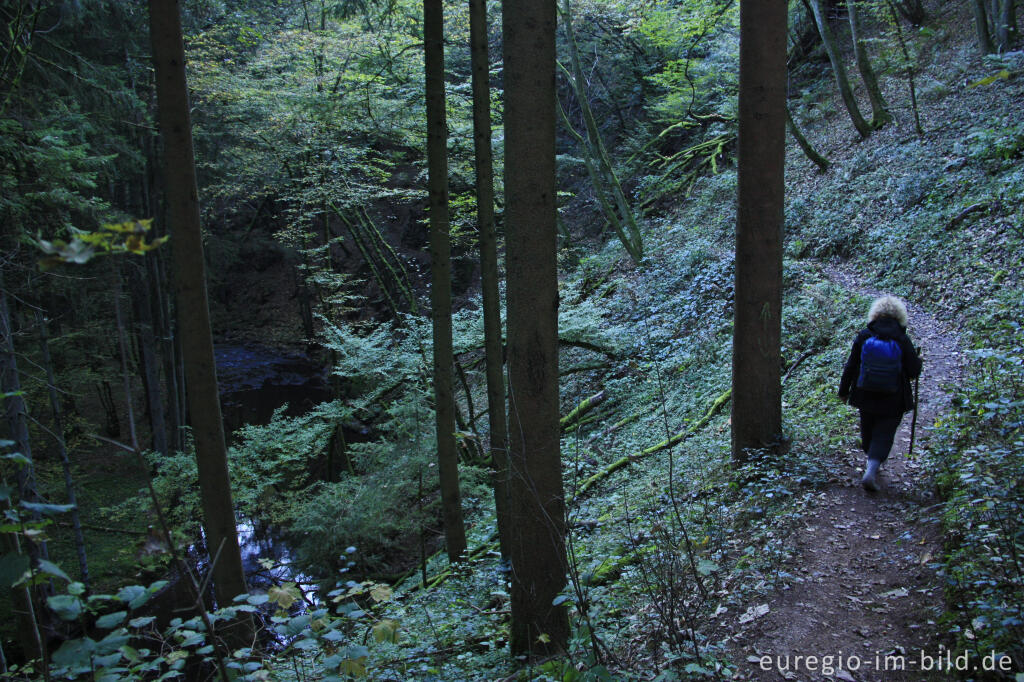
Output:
(309, 128)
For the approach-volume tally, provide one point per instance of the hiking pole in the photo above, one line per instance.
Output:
(913, 421)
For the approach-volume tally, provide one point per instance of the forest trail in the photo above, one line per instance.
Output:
(861, 586)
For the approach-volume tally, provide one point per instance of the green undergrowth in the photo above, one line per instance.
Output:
(667, 542)
(939, 220)
(979, 460)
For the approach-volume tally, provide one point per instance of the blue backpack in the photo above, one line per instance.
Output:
(881, 365)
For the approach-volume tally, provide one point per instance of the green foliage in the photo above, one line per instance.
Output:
(1001, 143)
(980, 459)
(49, 174)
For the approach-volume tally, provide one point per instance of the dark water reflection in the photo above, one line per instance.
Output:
(256, 381)
(269, 560)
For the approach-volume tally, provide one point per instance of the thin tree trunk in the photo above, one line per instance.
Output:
(539, 565)
(62, 451)
(634, 243)
(498, 427)
(820, 161)
(441, 286)
(600, 189)
(164, 329)
(981, 26)
(910, 70)
(879, 109)
(147, 356)
(15, 410)
(757, 361)
(191, 300)
(1006, 25)
(839, 69)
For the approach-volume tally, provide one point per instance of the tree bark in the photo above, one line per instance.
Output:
(981, 26)
(757, 361)
(191, 299)
(839, 69)
(147, 356)
(879, 109)
(1006, 25)
(483, 157)
(441, 276)
(633, 242)
(820, 161)
(910, 68)
(535, 474)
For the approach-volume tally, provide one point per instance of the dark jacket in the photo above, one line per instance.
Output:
(891, 404)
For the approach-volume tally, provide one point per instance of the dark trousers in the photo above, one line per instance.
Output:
(877, 433)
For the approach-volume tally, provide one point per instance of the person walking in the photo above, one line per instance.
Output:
(876, 380)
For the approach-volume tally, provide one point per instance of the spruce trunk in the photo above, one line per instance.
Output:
(539, 626)
(756, 369)
(483, 158)
(441, 279)
(191, 300)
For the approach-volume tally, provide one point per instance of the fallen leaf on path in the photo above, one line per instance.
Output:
(898, 592)
(845, 676)
(754, 612)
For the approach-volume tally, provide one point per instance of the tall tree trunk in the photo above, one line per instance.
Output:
(441, 275)
(535, 470)
(839, 69)
(879, 109)
(489, 265)
(757, 331)
(62, 451)
(191, 299)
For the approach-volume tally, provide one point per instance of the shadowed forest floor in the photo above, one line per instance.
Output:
(863, 588)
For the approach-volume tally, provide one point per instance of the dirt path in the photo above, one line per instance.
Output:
(863, 589)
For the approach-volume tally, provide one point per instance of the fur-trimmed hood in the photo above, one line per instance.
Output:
(888, 306)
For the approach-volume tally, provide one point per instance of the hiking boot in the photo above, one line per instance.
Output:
(870, 480)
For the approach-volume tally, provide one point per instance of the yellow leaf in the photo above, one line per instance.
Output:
(386, 631)
(285, 595)
(381, 593)
(354, 666)
(544, 638)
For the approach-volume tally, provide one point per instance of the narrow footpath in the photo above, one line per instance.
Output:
(863, 591)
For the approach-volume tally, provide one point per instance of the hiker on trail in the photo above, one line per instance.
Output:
(876, 380)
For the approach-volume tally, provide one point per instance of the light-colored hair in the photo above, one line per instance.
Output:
(888, 306)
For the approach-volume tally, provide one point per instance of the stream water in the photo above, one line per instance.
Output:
(254, 382)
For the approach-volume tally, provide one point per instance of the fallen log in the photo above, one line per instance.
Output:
(715, 408)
